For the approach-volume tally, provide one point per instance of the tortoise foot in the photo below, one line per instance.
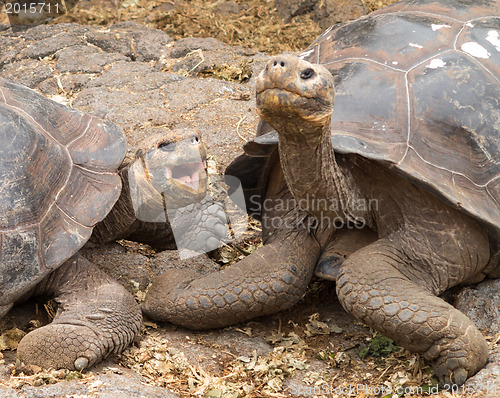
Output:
(83, 341)
(62, 346)
(96, 317)
(456, 360)
(407, 311)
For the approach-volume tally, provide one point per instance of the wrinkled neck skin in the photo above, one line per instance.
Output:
(138, 202)
(119, 222)
(317, 182)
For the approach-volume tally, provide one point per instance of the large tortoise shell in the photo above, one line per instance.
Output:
(58, 173)
(418, 89)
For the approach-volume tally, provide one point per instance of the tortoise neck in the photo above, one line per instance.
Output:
(314, 177)
(119, 222)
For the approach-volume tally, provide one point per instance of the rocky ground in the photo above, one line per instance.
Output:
(115, 63)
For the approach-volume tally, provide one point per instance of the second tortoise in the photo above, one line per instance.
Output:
(402, 163)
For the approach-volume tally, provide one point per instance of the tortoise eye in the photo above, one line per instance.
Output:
(167, 146)
(307, 73)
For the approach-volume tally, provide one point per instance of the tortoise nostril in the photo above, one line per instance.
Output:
(278, 63)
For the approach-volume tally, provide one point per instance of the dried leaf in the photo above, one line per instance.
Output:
(10, 339)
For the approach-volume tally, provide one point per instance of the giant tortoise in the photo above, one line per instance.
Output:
(404, 167)
(59, 179)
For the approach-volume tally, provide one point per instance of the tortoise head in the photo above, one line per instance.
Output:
(171, 169)
(290, 89)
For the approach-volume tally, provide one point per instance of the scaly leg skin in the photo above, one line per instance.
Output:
(96, 317)
(200, 227)
(272, 279)
(379, 286)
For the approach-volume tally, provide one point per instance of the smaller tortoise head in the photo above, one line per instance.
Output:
(171, 170)
(291, 90)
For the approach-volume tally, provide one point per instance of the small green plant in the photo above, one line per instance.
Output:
(380, 346)
(325, 355)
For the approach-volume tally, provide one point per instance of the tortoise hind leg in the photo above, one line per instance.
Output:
(395, 293)
(96, 317)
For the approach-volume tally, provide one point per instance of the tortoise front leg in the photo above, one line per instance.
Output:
(395, 293)
(199, 227)
(271, 279)
(96, 317)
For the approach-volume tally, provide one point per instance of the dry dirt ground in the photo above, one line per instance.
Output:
(314, 349)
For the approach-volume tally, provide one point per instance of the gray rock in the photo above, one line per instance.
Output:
(195, 55)
(125, 384)
(330, 12)
(43, 32)
(229, 8)
(170, 259)
(289, 9)
(487, 381)
(8, 392)
(50, 45)
(129, 385)
(297, 387)
(10, 48)
(70, 82)
(30, 72)
(325, 12)
(61, 389)
(132, 40)
(239, 343)
(184, 46)
(481, 303)
(133, 77)
(84, 59)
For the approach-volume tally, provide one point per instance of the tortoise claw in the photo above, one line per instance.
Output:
(460, 376)
(81, 363)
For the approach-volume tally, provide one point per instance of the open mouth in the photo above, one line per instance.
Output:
(188, 174)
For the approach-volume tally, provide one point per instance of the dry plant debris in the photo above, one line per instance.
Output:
(163, 365)
(249, 23)
(10, 339)
(252, 24)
